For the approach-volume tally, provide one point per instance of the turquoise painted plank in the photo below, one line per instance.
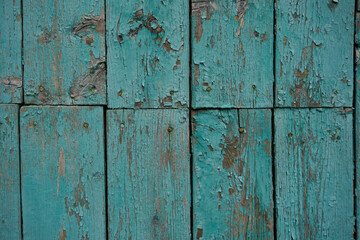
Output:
(232, 175)
(148, 53)
(357, 118)
(314, 173)
(64, 52)
(314, 53)
(232, 52)
(62, 167)
(148, 174)
(10, 220)
(10, 52)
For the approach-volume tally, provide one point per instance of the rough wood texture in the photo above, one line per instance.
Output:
(232, 52)
(64, 52)
(10, 225)
(148, 53)
(357, 118)
(314, 53)
(232, 174)
(314, 173)
(148, 174)
(10, 52)
(62, 166)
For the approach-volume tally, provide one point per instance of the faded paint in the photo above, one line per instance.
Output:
(314, 174)
(148, 174)
(232, 180)
(63, 176)
(145, 40)
(61, 44)
(232, 51)
(314, 53)
(10, 219)
(10, 52)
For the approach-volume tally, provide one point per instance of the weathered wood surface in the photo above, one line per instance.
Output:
(62, 167)
(10, 52)
(64, 52)
(148, 53)
(148, 174)
(232, 52)
(314, 53)
(314, 173)
(357, 118)
(232, 175)
(10, 221)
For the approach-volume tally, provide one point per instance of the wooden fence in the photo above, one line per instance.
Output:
(164, 119)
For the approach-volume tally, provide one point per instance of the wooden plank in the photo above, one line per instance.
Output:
(10, 52)
(148, 174)
(62, 166)
(10, 220)
(64, 52)
(232, 52)
(148, 53)
(232, 178)
(314, 53)
(314, 173)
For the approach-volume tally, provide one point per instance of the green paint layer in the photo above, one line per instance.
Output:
(10, 221)
(64, 52)
(63, 177)
(314, 53)
(314, 173)
(148, 174)
(148, 53)
(232, 53)
(11, 80)
(232, 174)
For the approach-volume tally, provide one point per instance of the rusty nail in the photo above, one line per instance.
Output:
(253, 86)
(241, 130)
(85, 125)
(120, 93)
(172, 92)
(41, 88)
(291, 91)
(290, 135)
(208, 89)
(335, 92)
(170, 129)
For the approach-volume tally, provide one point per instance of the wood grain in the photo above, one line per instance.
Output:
(148, 174)
(232, 52)
(64, 52)
(314, 173)
(232, 175)
(148, 53)
(10, 221)
(63, 177)
(11, 79)
(314, 53)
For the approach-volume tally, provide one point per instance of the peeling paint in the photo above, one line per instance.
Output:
(88, 24)
(95, 77)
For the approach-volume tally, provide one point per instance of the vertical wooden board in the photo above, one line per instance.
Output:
(148, 53)
(232, 52)
(62, 166)
(64, 52)
(314, 173)
(314, 53)
(232, 176)
(10, 225)
(10, 52)
(148, 174)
